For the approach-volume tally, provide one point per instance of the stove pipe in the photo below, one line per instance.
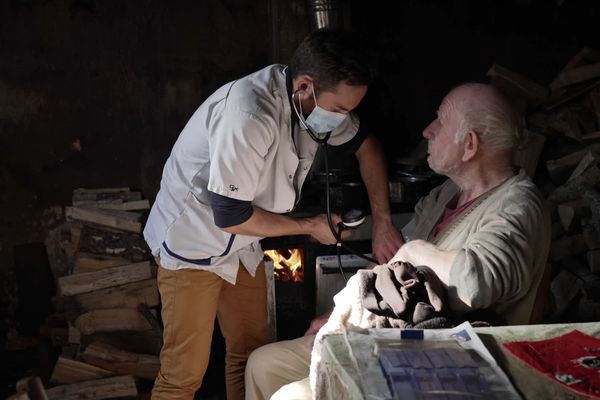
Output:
(325, 14)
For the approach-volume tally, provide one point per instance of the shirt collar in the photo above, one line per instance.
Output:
(290, 91)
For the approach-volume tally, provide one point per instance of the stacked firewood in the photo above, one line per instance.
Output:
(106, 322)
(563, 129)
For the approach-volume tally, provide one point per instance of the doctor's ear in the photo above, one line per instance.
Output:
(304, 86)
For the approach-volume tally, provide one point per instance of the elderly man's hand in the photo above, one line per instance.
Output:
(409, 252)
(386, 241)
(420, 252)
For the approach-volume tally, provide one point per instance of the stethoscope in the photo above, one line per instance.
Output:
(351, 219)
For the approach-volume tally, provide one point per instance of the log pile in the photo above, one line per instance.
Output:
(563, 156)
(106, 323)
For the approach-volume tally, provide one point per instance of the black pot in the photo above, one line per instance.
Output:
(409, 187)
(346, 196)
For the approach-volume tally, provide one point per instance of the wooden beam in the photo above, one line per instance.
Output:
(89, 262)
(112, 320)
(125, 206)
(121, 220)
(120, 361)
(144, 342)
(128, 245)
(90, 281)
(124, 296)
(106, 388)
(71, 371)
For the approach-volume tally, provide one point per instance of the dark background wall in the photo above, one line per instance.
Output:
(94, 93)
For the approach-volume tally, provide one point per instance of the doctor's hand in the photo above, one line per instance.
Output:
(386, 241)
(318, 228)
(408, 251)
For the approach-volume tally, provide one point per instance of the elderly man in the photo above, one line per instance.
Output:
(485, 231)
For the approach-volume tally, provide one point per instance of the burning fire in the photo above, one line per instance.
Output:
(287, 264)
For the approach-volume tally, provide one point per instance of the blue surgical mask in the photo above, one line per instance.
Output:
(320, 120)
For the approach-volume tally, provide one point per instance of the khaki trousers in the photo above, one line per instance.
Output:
(280, 370)
(191, 299)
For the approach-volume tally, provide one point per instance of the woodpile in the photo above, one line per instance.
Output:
(563, 156)
(106, 322)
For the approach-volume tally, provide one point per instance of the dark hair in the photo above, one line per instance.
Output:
(331, 56)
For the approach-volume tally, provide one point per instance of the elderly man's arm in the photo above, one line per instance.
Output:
(421, 252)
(386, 239)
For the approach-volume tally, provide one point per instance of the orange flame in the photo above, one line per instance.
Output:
(287, 264)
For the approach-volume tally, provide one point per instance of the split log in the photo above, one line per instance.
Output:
(590, 235)
(74, 335)
(89, 262)
(106, 388)
(588, 310)
(90, 281)
(594, 97)
(574, 188)
(562, 167)
(557, 230)
(591, 281)
(517, 86)
(564, 95)
(71, 371)
(527, 157)
(565, 289)
(112, 320)
(584, 57)
(570, 214)
(592, 198)
(121, 220)
(566, 247)
(123, 296)
(592, 136)
(29, 388)
(120, 361)
(593, 260)
(70, 351)
(589, 159)
(568, 124)
(576, 75)
(110, 242)
(150, 316)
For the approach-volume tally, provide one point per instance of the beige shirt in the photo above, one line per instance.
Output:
(503, 241)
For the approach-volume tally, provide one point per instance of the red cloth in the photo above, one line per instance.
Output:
(572, 359)
(450, 213)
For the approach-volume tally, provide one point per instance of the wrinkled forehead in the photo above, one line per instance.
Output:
(449, 107)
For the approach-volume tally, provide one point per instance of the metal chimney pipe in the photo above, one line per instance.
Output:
(325, 14)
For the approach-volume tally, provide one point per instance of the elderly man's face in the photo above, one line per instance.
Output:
(444, 154)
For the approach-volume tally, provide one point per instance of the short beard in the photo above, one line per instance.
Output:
(448, 171)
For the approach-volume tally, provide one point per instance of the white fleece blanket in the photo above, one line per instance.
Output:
(348, 311)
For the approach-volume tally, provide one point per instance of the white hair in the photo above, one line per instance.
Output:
(495, 122)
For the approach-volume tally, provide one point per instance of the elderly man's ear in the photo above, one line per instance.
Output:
(471, 145)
